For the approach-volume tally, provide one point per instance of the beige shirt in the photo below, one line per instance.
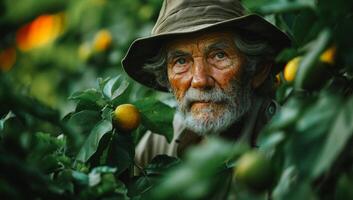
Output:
(152, 144)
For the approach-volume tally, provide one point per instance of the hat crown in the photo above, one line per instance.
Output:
(184, 15)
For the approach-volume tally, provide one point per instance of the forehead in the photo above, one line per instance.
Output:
(201, 40)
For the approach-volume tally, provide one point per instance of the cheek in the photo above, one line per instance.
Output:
(224, 77)
(180, 83)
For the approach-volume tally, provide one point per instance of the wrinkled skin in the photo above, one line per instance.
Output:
(204, 62)
(204, 66)
(206, 74)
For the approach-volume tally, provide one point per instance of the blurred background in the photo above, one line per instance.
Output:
(50, 49)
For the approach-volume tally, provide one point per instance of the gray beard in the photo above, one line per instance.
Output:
(236, 102)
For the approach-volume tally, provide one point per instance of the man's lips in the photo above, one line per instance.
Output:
(203, 103)
(206, 107)
(199, 105)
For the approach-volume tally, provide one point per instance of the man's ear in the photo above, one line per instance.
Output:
(261, 75)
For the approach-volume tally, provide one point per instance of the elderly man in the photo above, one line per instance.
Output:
(218, 63)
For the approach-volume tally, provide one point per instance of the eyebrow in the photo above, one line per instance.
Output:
(221, 44)
(218, 45)
(176, 53)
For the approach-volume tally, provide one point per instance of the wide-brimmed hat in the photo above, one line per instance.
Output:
(181, 17)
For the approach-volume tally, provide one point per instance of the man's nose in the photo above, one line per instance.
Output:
(201, 78)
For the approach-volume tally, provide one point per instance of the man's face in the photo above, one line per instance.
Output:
(205, 74)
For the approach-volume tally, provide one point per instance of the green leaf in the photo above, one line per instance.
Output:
(256, 4)
(108, 87)
(287, 116)
(211, 154)
(95, 176)
(339, 134)
(121, 191)
(201, 166)
(271, 141)
(178, 180)
(157, 117)
(45, 143)
(344, 188)
(286, 55)
(308, 65)
(101, 83)
(292, 188)
(4, 119)
(80, 177)
(91, 95)
(121, 153)
(29, 9)
(120, 90)
(84, 120)
(284, 23)
(139, 133)
(277, 6)
(103, 169)
(107, 113)
(140, 185)
(342, 34)
(160, 164)
(305, 27)
(318, 117)
(49, 164)
(307, 137)
(286, 6)
(91, 144)
(89, 105)
(286, 182)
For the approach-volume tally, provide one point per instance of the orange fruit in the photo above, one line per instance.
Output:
(42, 31)
(22, 38)
(127, 117)
(7, 58)
(329, 56)
(102, 40)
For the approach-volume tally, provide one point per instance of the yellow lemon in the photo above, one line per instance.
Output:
(127, 117)
(291, 69)
(329, 56)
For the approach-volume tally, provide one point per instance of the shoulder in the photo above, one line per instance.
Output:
(152, 145)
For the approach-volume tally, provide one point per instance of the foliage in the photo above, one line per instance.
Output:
(54, 148)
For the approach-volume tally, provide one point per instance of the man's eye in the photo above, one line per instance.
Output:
(180, 65)
(220, 55)
(180, 61)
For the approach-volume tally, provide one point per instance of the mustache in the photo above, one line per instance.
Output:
(215, 95)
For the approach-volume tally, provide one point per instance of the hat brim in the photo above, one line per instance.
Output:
(143, 49)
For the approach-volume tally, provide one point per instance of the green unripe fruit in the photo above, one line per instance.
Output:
(254, 170)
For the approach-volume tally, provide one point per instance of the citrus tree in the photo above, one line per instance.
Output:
(82, 147)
